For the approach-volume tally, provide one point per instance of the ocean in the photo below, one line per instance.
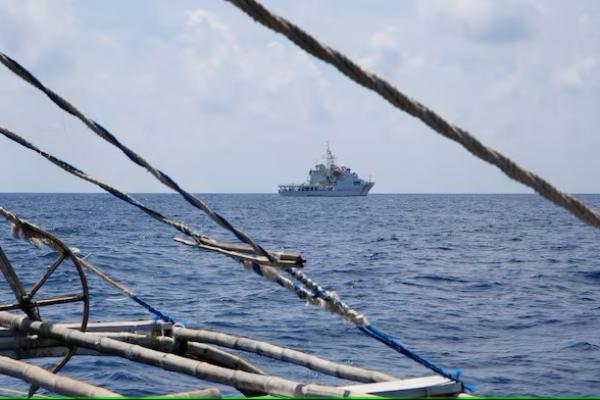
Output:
(503, 286)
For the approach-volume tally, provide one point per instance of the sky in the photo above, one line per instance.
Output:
(224, 105)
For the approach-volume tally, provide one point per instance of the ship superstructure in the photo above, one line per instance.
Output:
(329, 180)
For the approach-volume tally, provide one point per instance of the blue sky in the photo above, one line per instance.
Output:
(224, 105)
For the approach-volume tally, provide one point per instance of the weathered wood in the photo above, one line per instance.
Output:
(20, 342)
(21, 346)
(238, 256)
(221, 357)
(49, 271)
(282, 353)
(245, 248)
(11, 277)
(144, 327)
(261, 383)
(46, 351)
(136, 326)
(56, 383)
(46, 301)
(17, 287)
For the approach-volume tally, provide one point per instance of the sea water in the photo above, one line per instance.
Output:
(503, 286)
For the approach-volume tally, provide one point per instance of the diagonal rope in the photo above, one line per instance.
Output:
(203, 241)
(30, 232)
(23, 73)
(325, 300)
(308, 290)
(181, 227)
(317, 295)
(399, 100)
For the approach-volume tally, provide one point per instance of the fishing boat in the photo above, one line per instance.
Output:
(329, 180)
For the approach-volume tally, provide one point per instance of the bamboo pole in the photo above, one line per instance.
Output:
(211, 392)
(56, 383)
(133, 326)
(221, 357)
(272, 385)
(46, 351)
(241, 257)
(19, 346)
(33, 346)
(282, 353)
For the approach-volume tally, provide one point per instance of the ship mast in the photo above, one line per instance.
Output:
(330, 158)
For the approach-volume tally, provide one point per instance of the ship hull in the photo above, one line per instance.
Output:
(362, 191)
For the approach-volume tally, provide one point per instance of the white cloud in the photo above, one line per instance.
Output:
(37, 31)
(204, 45)
(578, 73)
(217, 100)
(488, 21)
(387, 56)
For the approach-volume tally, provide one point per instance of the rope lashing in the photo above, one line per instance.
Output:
(305, 294)
(327, 295)
(23, 73)
(429, 117)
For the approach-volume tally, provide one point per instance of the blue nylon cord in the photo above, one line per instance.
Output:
(400, 347)
(369, 330)
(156, 314)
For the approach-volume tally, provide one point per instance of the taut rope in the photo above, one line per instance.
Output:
(324, 299)
(308, 290)
(399, 100)
(20, 71)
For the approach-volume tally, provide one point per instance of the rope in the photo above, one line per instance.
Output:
(181, 227)
(23, 73)
(399, 100)
(315, 294)
(400, 347)
(371, 330)
(127, 291)
(327, 300)
(309, 296)
(33, 233)
(328, 296)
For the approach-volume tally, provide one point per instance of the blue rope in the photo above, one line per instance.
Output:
(156, 314)
(400, 347)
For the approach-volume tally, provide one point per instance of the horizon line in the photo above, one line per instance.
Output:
(274, 193)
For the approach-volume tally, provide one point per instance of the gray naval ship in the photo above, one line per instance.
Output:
(329, 180)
